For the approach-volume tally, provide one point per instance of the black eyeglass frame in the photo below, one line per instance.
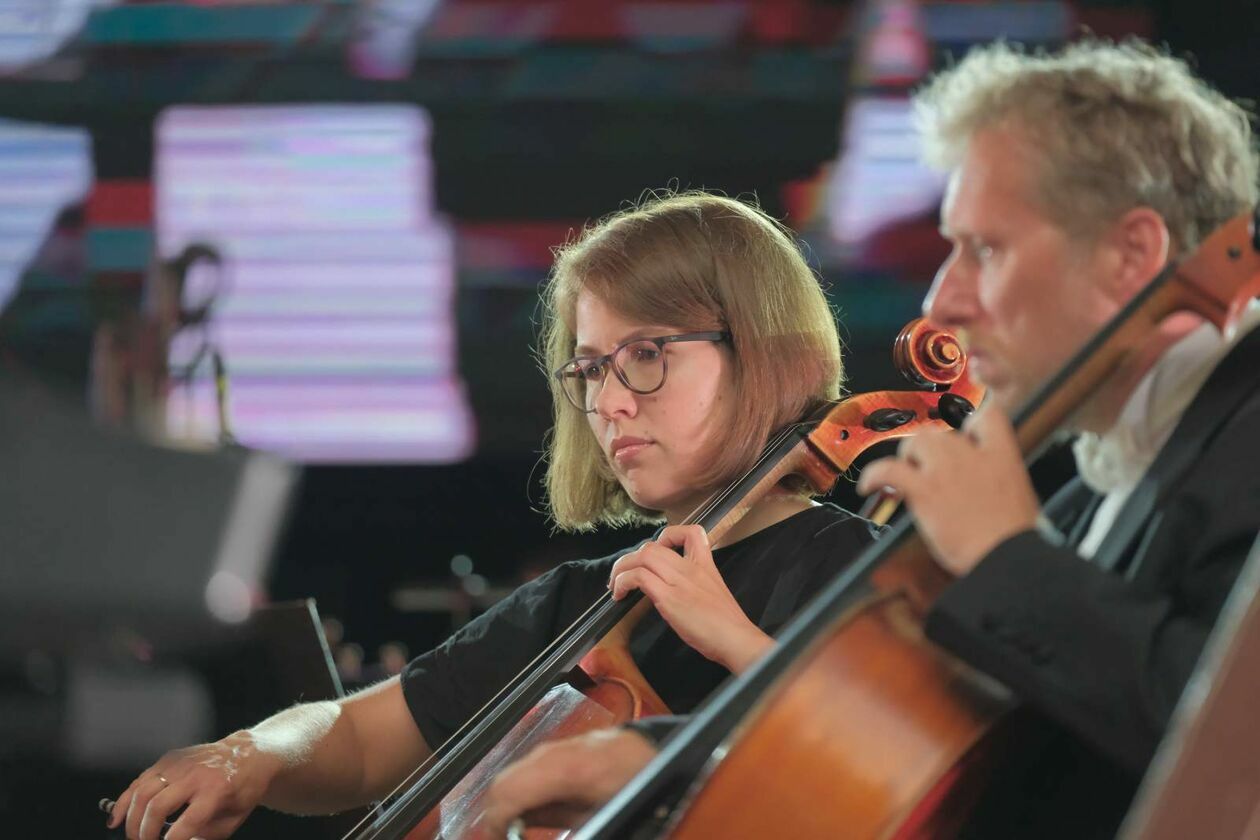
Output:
(609, 360)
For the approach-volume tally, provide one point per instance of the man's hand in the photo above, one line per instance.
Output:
(968, 491)
(564, 781)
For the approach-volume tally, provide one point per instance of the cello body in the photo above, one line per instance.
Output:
(613, 691)
(894, 743)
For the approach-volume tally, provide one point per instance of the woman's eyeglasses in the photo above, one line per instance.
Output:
(639, 363)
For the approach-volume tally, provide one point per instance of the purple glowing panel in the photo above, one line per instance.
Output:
(42, 170)
(881, 178)
(335, 315)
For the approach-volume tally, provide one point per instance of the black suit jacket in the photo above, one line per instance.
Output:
(1103, 648)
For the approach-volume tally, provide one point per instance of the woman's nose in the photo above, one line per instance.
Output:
(615, 398)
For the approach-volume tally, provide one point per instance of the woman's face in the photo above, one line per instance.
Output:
(656, 442)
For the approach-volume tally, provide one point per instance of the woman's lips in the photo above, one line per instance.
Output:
(625, 453)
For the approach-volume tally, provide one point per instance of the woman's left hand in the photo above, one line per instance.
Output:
(689, 593)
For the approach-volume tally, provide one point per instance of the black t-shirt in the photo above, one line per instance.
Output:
(771, 573)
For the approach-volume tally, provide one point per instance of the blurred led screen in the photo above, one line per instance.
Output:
(881, 177)
(32, 30)
(42, 170)
(880, 199)
(333, 307)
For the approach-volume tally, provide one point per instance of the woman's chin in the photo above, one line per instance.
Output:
(646, 502)
(645, 498)
(672, 507)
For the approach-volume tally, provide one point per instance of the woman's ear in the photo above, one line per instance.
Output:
(1142, 246)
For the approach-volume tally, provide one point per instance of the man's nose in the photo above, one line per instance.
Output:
(951, 301)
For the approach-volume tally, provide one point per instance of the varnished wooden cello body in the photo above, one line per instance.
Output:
(856, 726)
(1204, 781)
(591, 656)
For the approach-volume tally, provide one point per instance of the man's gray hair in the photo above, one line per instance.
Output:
(1116, 126)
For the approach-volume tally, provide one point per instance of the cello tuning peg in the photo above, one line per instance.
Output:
(954, 409)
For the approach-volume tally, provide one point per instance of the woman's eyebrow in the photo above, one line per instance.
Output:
(642, 332)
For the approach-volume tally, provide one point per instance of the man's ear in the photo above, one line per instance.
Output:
(1142, 246)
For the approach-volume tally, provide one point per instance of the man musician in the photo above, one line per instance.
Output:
(1074, 178)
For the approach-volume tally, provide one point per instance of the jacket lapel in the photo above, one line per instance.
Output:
(1235, 379)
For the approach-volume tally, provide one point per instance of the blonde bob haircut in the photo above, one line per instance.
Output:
(695, 261)
(1115, 126)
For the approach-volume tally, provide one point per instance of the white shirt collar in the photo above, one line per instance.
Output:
(1116, 459)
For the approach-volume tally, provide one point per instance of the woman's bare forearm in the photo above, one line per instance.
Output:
(318, 766)
(332, 756)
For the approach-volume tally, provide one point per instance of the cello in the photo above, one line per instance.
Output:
(1203, 780)
(586, 678)
(874, 732)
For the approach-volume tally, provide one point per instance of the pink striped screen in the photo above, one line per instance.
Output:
(336, 319)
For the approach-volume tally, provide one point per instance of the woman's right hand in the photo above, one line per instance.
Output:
(689, 593)
(219, 783)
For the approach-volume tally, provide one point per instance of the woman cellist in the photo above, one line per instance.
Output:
(681, 333)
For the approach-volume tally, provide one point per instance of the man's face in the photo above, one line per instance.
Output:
(1020, 292)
